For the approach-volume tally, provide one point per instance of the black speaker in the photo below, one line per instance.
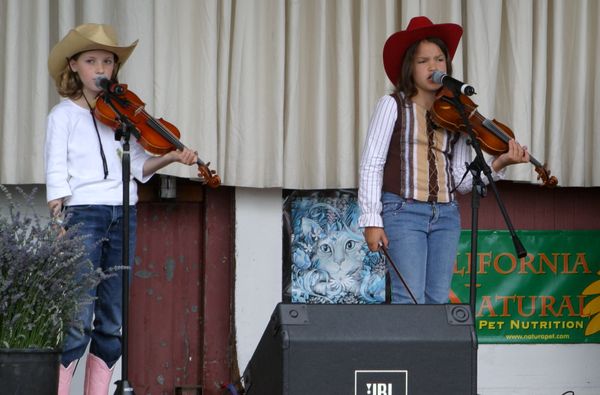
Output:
(365, 350)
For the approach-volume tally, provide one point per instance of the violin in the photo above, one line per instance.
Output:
(157, 136)
(492, 135)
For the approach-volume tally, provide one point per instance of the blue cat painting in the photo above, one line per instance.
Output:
(330, 261)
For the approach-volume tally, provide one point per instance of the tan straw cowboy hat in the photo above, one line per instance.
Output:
(419, 28)
(86, 37)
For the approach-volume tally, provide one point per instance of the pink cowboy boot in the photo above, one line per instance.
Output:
(97, 376)
(65, 375)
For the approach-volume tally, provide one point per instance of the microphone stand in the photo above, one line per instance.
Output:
(479, 190)
(124, 131)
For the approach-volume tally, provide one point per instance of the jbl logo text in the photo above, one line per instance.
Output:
(379, 388)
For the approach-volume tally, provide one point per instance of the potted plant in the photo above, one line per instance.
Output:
(44, 281)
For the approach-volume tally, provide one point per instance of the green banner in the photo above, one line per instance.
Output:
(550, 296)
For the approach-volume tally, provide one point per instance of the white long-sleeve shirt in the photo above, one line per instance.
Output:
(375, 151)
(74, 168)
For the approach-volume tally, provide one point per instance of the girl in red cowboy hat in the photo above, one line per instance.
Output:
(84, 179)
(410, 166)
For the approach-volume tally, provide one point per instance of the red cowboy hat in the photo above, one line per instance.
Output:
(419, 27)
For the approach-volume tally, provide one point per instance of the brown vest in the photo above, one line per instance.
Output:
(398, 171)
(394, 175)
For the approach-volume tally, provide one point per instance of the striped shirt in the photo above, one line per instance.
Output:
(425, 163)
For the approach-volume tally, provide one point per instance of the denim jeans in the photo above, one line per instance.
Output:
(423, 239)
(102, 226)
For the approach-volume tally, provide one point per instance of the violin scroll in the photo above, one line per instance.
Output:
(544, 175)
(208, 176)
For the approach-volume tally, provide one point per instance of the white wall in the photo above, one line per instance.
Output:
(258, 235)
(552, 369)
(502, 369)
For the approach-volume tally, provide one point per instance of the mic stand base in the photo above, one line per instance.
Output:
(124, 388)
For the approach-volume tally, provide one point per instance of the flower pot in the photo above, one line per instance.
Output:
(29, 371)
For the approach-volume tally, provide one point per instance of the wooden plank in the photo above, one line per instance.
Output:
(166, 298)
(219, 274)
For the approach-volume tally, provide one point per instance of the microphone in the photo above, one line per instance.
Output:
(110, 86)
(444, 79)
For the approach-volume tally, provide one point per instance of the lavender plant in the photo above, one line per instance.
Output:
(44, 276)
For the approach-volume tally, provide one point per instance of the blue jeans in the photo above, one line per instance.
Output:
(423, 239)
(102, 226)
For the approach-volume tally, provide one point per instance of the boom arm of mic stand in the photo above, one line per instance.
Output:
(519, 248)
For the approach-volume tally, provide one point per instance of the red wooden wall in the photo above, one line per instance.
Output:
(532, 207)
(180, 336)
(167, 295)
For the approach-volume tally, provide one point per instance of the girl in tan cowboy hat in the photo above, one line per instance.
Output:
(84, 180)
(410, 166)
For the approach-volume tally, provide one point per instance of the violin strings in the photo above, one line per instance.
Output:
(166, 133)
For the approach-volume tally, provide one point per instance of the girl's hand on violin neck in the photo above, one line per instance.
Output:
(155, 163)
(515, 154)
(185, 156)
